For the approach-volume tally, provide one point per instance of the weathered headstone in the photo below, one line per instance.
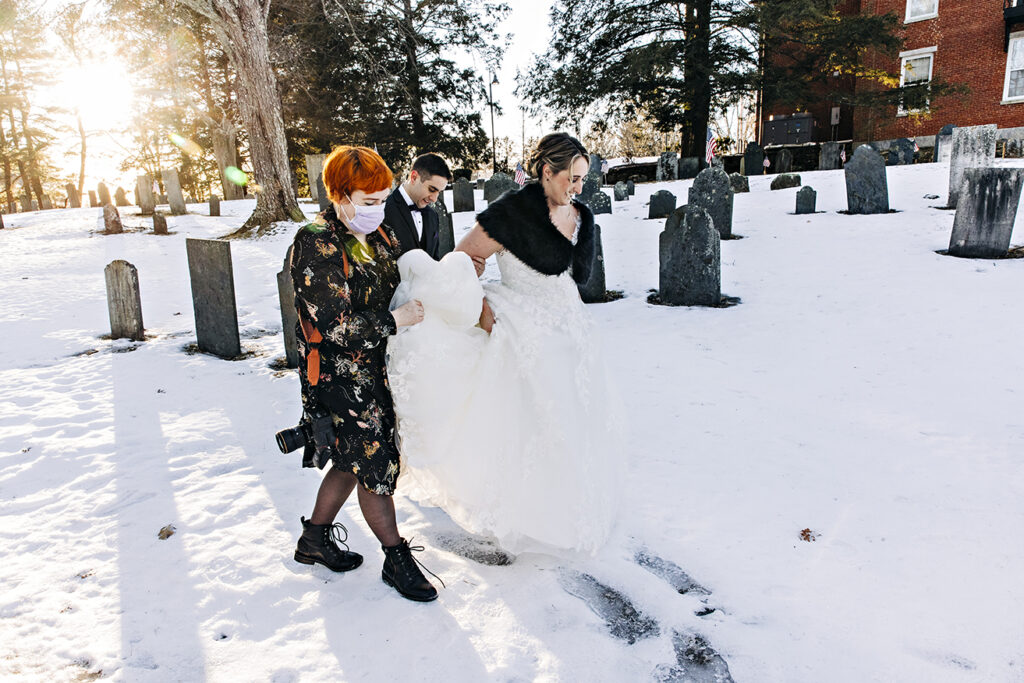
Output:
(445, 227)
(214, 205)
(690, 259)
(663, 203)
(591, 185)
(689, 167)
(103, 193)
(712, 192)
(829, 158)
(480, 183)
(593, 290)
(600, 202)
(806, 199)
(867, 189)
(973, 147)
(323, 201)
(111, 220)
(175, 198)
(289, 316)
(135, 191)
(668, 166)
(621, 192)
(74, 199)
(162, 199)
(124, 304)
(46, 203)
(120, 198)
(944, 143)
(159, 224)
(631, 186)
(739, 183)
(93, 201)
(785, 181)
(595, 164)
(213, 296)
(986, 212)
(497, 185)
(901, 153)
(314, 170)
(753, 159)
(144, 188)
(783, 161)
(462, 196)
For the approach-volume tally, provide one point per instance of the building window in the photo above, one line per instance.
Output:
(915, 67)
(1014, 88)
(918, 10)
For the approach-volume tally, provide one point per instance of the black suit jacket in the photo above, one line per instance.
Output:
(398, 216)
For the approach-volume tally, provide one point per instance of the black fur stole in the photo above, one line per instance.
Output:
(520, 222)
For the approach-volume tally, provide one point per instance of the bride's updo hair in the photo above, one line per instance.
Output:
(558, 151)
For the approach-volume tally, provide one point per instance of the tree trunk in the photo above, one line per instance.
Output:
(419, 129)
(697, 78)
(81, 165)
(8, 181)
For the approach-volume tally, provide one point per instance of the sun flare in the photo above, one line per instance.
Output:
(101, 92)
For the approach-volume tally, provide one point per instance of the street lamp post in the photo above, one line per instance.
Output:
(494, 144)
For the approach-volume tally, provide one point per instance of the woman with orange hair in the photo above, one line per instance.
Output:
(344, 273)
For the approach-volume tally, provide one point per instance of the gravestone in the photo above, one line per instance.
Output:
(944, 143)
(480, 183)
(973, 147)
(986, 212)
(175, 198)
(712, 192)
(214, 205)
(739, 183)
(631, 186)
(785, 181)
(593, 290)
(690, 260)
(289, 316)
(621, 191)
(124, 304)
(591, 185)
(159, 224)
(161, 199)
(867, 189)
(689, 167)
(600, 202)
(135, 191)
(497, 185)
(120, 198)
(783, 161)
(74, 199)
(213, 296)
(668, 166)
(901, 153)
(806, 199)
(103, 193)
(93, 201)
(595, 164)
(46, 203)
(663, 203)
(1, 221)
(323, 201)
(111, 220)
(26, 202)
(462, 196)
(445, 227)
(314, 170)
(753, 160)
(144, 188)
(829, 158)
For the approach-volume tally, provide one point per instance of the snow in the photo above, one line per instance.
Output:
(865, 388)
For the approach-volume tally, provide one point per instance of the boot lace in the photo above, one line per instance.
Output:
(407, 568)
(336, 535)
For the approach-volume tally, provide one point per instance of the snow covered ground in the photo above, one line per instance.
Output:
(867, 389)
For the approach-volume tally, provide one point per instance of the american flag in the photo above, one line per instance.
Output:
(520, 174)
(842, 154)
(712, 147)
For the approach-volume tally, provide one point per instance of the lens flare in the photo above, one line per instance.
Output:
(236, 175)
(187, 146)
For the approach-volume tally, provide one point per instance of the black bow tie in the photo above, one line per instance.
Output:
(413, 207)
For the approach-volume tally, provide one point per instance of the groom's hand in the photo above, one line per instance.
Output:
(486, 317)
(479, 263)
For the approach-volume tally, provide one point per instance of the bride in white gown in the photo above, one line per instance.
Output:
(513, 433)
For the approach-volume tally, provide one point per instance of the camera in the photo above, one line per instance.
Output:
(317, 432)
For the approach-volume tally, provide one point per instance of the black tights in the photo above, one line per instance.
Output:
(378, 511)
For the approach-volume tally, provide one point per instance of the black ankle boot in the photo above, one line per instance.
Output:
(319, 545)
(402, 573)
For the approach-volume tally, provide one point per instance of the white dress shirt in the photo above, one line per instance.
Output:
(417, 217)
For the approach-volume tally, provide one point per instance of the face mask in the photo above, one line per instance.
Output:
(367, 218)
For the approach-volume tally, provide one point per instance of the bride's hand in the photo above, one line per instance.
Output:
(408, 314)
(480, 264)
(486, 317)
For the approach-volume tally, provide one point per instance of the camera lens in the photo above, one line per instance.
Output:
(289, 440)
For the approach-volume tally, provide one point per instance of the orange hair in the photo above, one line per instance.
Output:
(349, 168)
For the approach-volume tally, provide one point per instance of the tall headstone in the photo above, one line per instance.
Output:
(986, 212)
(462, 196)
(120, 198)
(159, 224)
(314, 170)
(497, 185)
(631, 186)
(783, 161)
(668, 166)
(289, 316)
(323, 201)
(594, 289)
(74, 199)
(944, 143)
(829, 158)
(175, 198)
(103, 193)
(600, 202)
(595, 164)
(753, 159)
(124, 304)
(46, 203)
(806, 199)
(901, 153)
(690, 259)
(663, 203)
(93, 201)
(591, 185)
(739, 183)
(144, 188)
(162, 199)
(213, 296)
(867, 189)
(712, 192)
(621, 191)
(785, 181)
(480, 184)
(214, 205)
(111, 220)
(689, 167)
(973, 147)
(445, 226)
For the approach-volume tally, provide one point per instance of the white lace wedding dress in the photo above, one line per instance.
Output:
(514, 434)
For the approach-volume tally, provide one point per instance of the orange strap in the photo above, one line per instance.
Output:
(313, 338)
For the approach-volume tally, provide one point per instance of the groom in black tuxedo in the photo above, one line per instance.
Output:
(407, 210)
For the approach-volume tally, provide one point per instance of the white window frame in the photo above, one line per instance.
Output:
(1014, 37)
(916, 54)
(924, 17)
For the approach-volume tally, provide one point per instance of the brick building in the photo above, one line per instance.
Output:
(979, 43)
